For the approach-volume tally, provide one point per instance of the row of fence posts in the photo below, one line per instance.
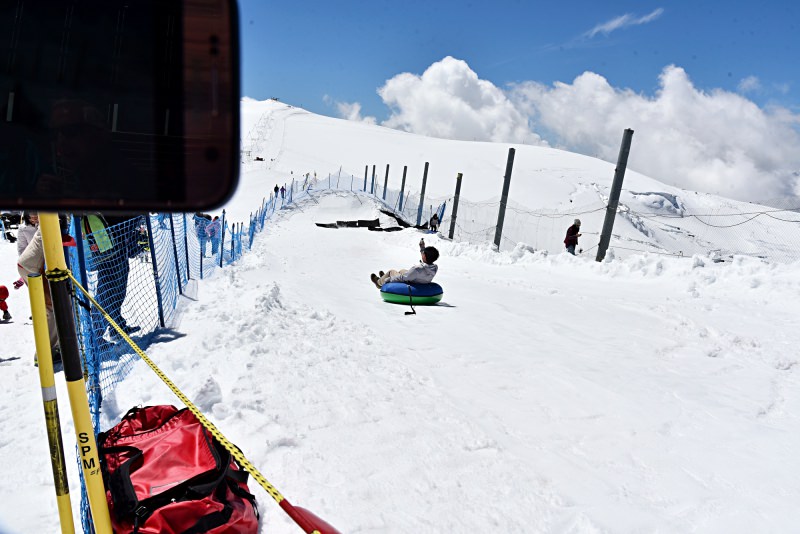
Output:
(611, 209)
(235, 235)
(236, 230)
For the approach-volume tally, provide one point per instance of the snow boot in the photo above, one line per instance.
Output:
(374, 278)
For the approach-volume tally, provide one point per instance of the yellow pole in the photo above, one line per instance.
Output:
(58, 277)
(52, 421)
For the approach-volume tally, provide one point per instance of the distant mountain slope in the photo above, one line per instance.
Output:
(549, 187)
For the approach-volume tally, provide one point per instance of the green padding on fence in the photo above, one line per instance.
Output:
(415, 301)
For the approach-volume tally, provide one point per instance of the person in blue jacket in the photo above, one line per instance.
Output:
(214, 232)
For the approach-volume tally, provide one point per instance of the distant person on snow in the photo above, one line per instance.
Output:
(422, 273)
(214, 232)
(571, 241)
(201, 220)
(434, 223)
(3, 305)
(283, 192)
(276, 190)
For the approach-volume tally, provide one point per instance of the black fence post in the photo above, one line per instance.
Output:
(155, 270)
(222, 238)
(613, 198)
(186, 248)
(233, 241)
(175, 253)
(422, 194)
(402, 188)
(455, 206)
(386, 182)
(501, 214)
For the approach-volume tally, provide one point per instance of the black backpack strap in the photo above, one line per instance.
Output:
(214, 519)
(119, 482)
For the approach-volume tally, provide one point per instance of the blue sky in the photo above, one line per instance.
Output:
(712, 89)
(302, 51)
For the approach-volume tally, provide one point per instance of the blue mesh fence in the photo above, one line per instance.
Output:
(138, 267)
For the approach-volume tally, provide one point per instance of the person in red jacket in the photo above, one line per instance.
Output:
(3, 305)
(571, 241)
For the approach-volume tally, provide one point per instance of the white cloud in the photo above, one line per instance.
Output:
(623, 21)
(749, 84)
(449, 100)
(349, 110)
(717, 142)
(352, 112)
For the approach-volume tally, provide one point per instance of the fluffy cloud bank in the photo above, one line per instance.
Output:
(717, 142)
(450, 101)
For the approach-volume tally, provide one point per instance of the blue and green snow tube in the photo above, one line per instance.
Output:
(413, 294)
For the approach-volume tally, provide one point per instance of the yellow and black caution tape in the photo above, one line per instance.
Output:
(305, 519)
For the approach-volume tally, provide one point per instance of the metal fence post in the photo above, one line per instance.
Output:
(386, 182)
(92, 358)
(501, 214)
(455, 206)
(372, 187)
(222, 238)
(175, 252)
(366, 171)
(403, 187)
(613, 198)
(155, 270)
(233, 243)
(186, 248)
(422, 194)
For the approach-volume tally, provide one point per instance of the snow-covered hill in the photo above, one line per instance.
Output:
(549, 393)
(549, 187)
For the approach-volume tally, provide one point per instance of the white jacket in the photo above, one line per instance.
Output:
(422, 273)
(24, 236)
(31, 261)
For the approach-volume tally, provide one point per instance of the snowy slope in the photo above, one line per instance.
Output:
(549, 393)
(653, 216)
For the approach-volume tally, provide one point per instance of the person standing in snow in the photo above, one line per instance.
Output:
(283, 192)
(25, 236)
(422, 273)
(25, 233)
(110, 240)
(3, 305)
(201, 220)
(276, 190)
(571, 241)
(213, 231)
(31, 261)
(434, 223)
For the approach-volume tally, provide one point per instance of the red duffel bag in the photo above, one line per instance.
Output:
(166, 474)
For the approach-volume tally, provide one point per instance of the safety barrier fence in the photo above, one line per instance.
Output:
(155, 258)
(659, 228)
(646, 222)
(137, 270)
